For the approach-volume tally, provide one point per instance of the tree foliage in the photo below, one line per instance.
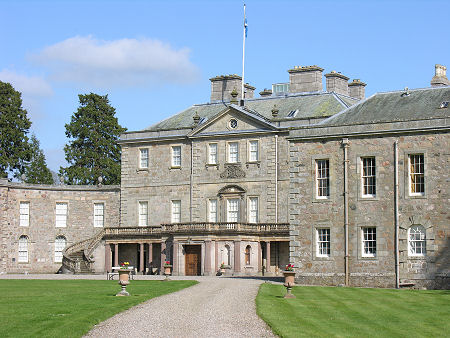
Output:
(36, 171)
(93, 150)
(14, 126)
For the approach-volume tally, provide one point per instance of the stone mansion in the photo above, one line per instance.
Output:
(351, 190)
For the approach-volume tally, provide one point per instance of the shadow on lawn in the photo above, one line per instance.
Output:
(263, 278)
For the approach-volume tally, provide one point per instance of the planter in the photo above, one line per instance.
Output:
(167, 270)
(289, 282)
(124, 280)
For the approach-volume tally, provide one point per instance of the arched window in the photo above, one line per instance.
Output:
(60, 244)
(417, 241)
(248, 250)
(23, 249)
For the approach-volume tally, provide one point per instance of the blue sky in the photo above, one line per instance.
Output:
(155, 58)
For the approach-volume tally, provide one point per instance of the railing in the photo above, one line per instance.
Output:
(133, 231)
(230, 227)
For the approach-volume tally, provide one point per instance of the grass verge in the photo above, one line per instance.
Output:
(69, 308)
(354, 312)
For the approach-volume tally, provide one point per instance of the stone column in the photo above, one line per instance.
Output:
(237, 256)
(116, 254)
(207, 257)
(259, 257)
(216, 256)
(268, 256)
(175, 262)
(141, 257)
(163, 256)
(150, 256)
(107, 257)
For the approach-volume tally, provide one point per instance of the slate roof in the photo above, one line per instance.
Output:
(308, 105)
(420, 104)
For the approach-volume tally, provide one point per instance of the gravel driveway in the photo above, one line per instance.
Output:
(216, 307)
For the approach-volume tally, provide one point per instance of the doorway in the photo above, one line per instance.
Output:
(193, 260)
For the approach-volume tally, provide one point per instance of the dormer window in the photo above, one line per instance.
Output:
(444, 104)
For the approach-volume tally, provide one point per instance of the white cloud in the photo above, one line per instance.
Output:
(27, 85)
(121, 62)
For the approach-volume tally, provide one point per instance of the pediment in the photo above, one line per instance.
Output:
(233, 119)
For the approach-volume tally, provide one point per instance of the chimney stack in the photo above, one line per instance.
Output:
(440, 77)
(223, 85)
(356, 89)
(305, 79)
(266, 92)
(336, 82)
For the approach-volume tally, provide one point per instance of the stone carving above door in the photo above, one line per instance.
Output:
(232, 171)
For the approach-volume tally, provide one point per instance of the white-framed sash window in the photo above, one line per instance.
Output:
(24, 220)
(368, 176)
(176, 156)
(417, 243)
(23, 249)
(416, 170)
(323, 242)
(61, 214)
(233, 152)
(143, 158)
(99, 215)
(176, 211)
(233, 210)
(369, 242)
(212, 153)
(253, 210)
(143, 213)
(253, 151)
(212, 210)
(60, 244)
(322, 179)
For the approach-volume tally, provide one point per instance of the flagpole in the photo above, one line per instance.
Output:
(243, 59)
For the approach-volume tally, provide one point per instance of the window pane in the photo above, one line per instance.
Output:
(144, 158)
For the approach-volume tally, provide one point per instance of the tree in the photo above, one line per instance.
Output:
(14, 126)
(93, 150)
(36, 171)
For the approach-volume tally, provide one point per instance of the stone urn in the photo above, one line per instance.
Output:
(124, 280)
(167, 271)
(289, 282)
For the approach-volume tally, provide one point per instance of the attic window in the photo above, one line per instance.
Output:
(293, 113)
(203, 120)
(444, 104)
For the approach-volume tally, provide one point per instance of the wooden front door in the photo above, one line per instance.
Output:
(193, 260)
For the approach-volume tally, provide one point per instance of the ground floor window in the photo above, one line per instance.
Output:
(417, 240)
(60, 244)
(323, 242)
(23, 249)
(369, 242)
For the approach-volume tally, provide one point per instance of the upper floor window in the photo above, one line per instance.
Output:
(253, 151)
(24, 220)
(212, 211)
(99, 210)
(143, 213)
(176, 156)
(322, 179)
(212, 153)
(233, 152)
(416, 175)
(233, 210)
(176, 212)
(143, 162)
(23, 249)
(253, 210)
(417, 240)
(368, 176)
(323, 242)
(60, 244)
(369, 242)
(61, 214)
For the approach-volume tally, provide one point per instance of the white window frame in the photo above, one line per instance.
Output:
(253, 209)
(212, 210)
(320, 178)
(417, 241)
(323, 242)
(143, 213)
(233, 215)
(145, 158)
(99, 214)
(230, 158)
(253, 155)
(176, 158)
(175, 211)
(23, 249)
(59, 248)
(61, 214)
(413, 176)
(213, 153)
(368, 174)
(368, 242)
(24, 211)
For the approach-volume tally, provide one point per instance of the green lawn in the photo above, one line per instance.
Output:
(353, 312)
(69, 308)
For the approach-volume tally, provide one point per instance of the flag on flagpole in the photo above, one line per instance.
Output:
(245, 27)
